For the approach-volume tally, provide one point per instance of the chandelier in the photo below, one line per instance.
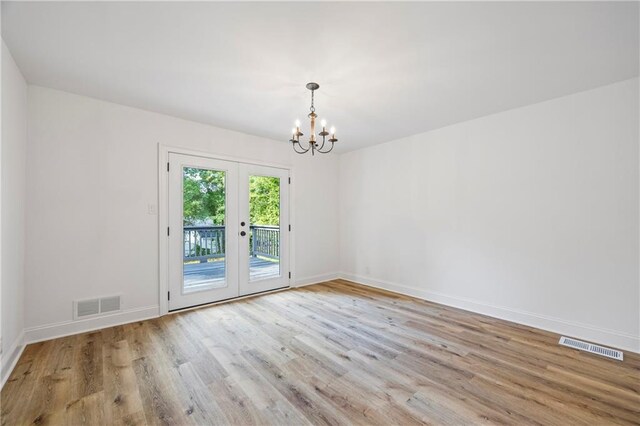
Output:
(313, 144)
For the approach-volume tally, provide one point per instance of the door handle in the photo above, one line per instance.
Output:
(243, 233)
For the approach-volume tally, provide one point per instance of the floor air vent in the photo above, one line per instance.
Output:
(590, 347)
(94, 307)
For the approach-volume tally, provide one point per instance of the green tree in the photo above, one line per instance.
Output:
(264, 200)
(203, 196)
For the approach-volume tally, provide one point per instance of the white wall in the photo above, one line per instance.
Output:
(93, 171)
(530, 215)
(14, 147)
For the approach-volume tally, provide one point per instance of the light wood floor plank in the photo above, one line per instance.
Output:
(327, 354)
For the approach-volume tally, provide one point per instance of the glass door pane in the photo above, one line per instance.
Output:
(204, 209)
(264, 219)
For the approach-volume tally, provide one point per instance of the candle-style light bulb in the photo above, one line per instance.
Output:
(324, 123)
(297, 123)
(333, 132)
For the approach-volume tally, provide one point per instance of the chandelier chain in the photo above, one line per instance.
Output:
(313, 109)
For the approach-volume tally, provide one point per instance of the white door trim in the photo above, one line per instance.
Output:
(163, 213)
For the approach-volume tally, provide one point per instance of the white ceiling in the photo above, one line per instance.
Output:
(386, 70)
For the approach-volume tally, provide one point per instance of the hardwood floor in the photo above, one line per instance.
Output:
(334, 353)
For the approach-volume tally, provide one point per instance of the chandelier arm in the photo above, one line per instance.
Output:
(323, 141)
(304, 151)
(327, 151)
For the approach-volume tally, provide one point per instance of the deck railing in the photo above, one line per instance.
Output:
(202, 243)
(265, 241)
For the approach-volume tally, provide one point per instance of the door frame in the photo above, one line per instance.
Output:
(163, 214)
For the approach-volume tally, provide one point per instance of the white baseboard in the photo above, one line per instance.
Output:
(315, 279)
(603, 336)
(67, 328)
(11, 358)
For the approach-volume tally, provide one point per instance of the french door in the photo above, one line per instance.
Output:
(228, 229)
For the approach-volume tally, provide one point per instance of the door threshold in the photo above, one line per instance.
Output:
(231, 299)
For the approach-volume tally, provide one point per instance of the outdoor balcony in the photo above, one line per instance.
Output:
(205, 248)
